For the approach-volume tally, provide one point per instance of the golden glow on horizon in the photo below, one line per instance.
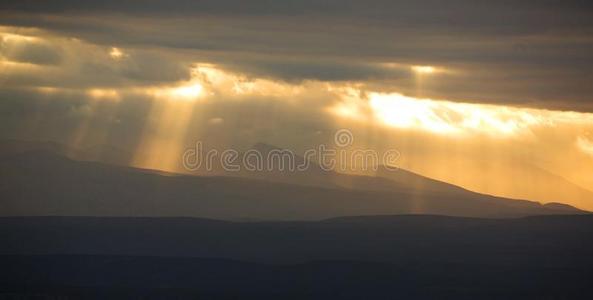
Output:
(184, 92)
(111, 94)
(11, 37)
(404, 112)
(444, 117)
(424, 69)
(116, 53)
(585, 145)
(18, 66)
(453, 118)
(187, 92)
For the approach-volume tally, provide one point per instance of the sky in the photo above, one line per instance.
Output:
(495, 96)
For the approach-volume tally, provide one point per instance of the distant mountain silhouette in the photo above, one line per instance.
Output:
(98, 153)
(314, 175)
(523, 180)
(39, 183)
(397, 179)
(529, 180)
(11, 147)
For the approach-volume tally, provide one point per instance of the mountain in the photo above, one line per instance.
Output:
(11, 147)
(259, 162)
(39, 183)
(520, 179)
(527, 180)
(398, 179)
(99, 153)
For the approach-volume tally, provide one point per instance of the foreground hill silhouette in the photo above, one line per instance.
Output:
(377, 257)
(38, 183)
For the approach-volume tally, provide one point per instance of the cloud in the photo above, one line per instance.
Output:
(294, 70)
(29, 50)
(39, 59)
(527, 54)
(585, 145)
(501, 16)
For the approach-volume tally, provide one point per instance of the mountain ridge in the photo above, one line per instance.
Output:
(36, 184)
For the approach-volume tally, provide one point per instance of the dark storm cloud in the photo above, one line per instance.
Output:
(296, 70)
(499, 15)
(152, 68)
(535, 53)
(64, 63)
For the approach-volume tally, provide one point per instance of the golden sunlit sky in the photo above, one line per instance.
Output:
(496, 97)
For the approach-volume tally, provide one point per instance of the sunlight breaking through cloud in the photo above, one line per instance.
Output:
(159, 100)
(585, 145)
(445, 117)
